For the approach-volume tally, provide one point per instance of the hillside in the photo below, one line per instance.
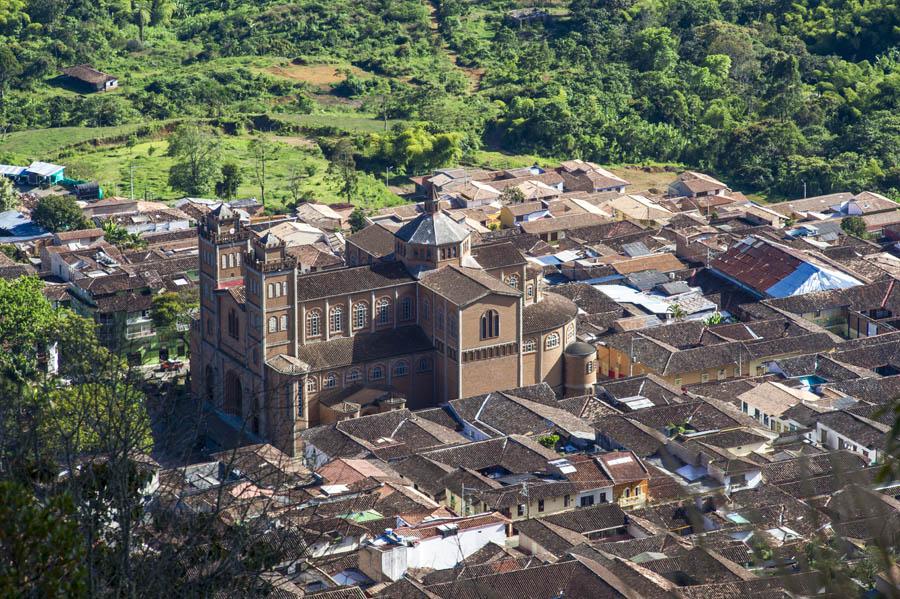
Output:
(768, 95)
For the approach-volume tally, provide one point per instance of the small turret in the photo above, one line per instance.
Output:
(580, 368)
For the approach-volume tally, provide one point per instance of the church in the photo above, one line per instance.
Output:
(442, 317)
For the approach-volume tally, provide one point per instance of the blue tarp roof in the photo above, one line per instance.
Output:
(18, 226)
(807, 278)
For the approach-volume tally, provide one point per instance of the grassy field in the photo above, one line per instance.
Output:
(111, 166)
(38, 144)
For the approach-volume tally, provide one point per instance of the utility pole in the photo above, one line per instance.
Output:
(631, 357)
(804, 190)
(387, 175)
(463, 498)
(131, 171)
(527, 499)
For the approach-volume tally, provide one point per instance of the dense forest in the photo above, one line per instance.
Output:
(769, 94)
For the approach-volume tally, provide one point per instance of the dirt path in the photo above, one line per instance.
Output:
(473, 75)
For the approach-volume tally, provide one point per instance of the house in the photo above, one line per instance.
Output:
(474, 194)
(515, 214)
(80, 237)
(44, 173)
(836, 205)
(693, 184)
(845, 430)
(529, 14)
(579, 175)
(15, 227)
(636, 208)
(553, 230)
(768, 269)
(321, 216)
(438, 543)
(551, 537)
(87, 77)
(629, 476)
(769, 403)
(593, 485)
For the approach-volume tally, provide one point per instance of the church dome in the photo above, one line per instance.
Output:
(432, 229)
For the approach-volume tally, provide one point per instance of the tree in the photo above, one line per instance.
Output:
(656, 49)
(227, 187)
(854, 225)
(10, 68)
(416, 150)
(42, 552)
(28, 325)
(357, 219)
(342, 170)
(171, 314)
(9, 199)
(120, 237)
(141, 18)
(197, 150)
(297, 176)
(512, 195)
(59, 213)
(676, 312)
(263, 150)
(161, 12)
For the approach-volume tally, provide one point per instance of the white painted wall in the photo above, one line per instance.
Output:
(392, 561)
(831, 439)
(442, 553)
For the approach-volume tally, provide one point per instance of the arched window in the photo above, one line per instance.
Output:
(551, 341)
(273, 324)
(439, 318)
(401, 369)
(405, 308)
(360, 315)
(337, 319)
(426, 309)
(627, 492)
(452, 325)
(330, 381)
(424, 365)
(270, 290)
(312, 385)
(230, 260)
(637, 491)
(376, 374)
(353, 376)
(224, 261)
(383, 311)
(284, 288)
(528, 346)
(284, 322)
(490, 324)
(313, 323)
(513, 281)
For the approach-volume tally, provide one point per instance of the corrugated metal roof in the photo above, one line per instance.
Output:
(10, 170)
(44, 169)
